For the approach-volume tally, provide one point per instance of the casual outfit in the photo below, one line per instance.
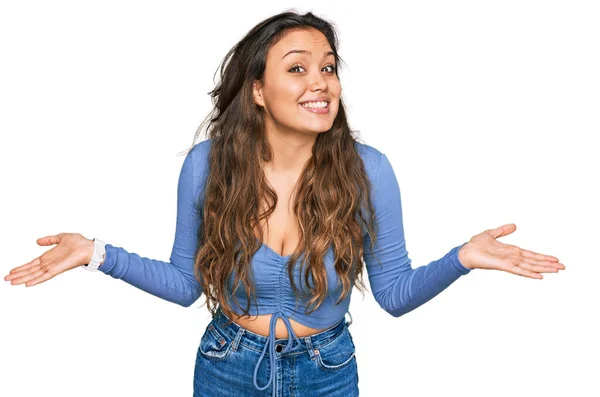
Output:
(396, 286)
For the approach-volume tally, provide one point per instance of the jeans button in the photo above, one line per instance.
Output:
(278, 348)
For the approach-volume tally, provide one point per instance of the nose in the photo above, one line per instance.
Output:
(318, 82)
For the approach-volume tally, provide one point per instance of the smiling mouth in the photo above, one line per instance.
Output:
(315, 105)
(316, 110)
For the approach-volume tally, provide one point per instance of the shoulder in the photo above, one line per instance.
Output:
(195, 168)
(201, 149)
(199, 156)
(371, 157)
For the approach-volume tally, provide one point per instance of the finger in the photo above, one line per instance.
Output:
(22, 273)
(549, 265)
(520, 271)
(30, 276)
(48, 240)
(44, 277)
(503, 230)
(536, 267)
(17, 271)
(535, 255)
(540, 262)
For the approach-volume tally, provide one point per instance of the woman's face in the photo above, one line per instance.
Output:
(292, 78)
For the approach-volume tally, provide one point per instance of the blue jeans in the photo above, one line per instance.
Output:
(325, 365)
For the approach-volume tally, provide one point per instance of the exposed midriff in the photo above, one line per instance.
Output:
(260, 325)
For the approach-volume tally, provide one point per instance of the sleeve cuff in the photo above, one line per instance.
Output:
(109, 259)
(456, 263)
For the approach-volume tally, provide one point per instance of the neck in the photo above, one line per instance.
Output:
(291, 151)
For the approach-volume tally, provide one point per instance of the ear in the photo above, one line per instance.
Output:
(257, 93)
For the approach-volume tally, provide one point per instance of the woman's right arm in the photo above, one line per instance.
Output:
(174, 280)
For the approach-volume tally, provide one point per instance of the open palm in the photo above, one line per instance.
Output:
(70, 252)
(483, 251)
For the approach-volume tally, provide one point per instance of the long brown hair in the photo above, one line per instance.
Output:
(332, 203)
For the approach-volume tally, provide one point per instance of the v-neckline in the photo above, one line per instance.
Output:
(278, 255)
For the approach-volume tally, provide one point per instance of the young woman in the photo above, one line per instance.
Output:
(277, 212)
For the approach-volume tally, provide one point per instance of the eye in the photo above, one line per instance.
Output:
(333, 68)
(294, 67)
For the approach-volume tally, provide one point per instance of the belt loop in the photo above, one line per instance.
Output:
(238, 336)
(349, 322)
(309, 347)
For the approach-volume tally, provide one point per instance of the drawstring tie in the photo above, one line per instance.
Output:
(270, 344)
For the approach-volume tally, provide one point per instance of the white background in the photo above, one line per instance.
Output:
(488, 112)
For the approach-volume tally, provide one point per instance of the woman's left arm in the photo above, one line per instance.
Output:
(397, 287)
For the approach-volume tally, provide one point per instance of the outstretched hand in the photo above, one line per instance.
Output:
(72, 250)
(483, 251)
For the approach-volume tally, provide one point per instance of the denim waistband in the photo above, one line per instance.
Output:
(277, 347)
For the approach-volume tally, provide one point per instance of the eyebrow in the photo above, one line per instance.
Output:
(306, 52)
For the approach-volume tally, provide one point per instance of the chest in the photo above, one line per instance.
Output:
(269, 264)
(281, 232)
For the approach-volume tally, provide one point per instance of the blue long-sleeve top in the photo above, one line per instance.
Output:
(396, 286)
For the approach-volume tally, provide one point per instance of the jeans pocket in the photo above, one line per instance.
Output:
(215, 344)
(338, 353)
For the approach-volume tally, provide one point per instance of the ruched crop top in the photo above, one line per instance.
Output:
(396, 286)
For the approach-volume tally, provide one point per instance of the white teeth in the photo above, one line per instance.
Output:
(313, 105)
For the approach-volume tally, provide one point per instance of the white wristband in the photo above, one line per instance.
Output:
(97, 256)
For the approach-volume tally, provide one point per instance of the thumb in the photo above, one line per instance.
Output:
(49, 240)
(503, 230)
